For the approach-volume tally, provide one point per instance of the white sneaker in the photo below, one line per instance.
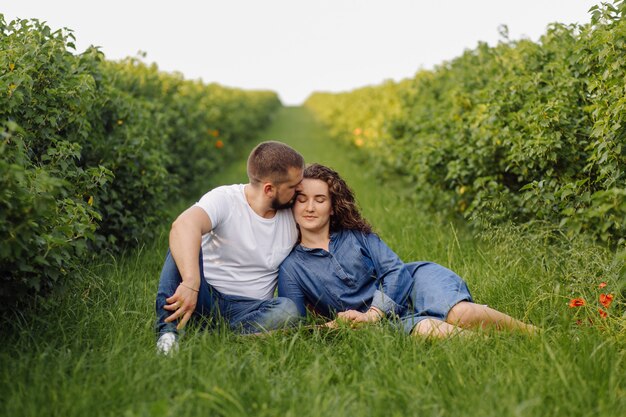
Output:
(167, 344)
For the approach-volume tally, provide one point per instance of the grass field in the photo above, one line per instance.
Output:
(89, 350)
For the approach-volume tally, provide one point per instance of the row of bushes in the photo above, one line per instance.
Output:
(523, 131)
(92, 151)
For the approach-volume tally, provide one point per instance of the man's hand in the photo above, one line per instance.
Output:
(183, 304)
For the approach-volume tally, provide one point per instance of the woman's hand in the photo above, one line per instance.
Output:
(372, 315)
(182, 303)
(330, 324)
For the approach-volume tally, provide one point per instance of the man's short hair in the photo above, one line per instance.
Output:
(271, 161)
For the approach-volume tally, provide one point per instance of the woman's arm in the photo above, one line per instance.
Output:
(395, 282)
(289, 287)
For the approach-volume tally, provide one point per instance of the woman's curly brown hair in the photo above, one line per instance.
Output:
(346, 214)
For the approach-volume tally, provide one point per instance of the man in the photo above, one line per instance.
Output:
(242, 233)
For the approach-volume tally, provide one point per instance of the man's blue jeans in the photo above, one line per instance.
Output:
(242, 314)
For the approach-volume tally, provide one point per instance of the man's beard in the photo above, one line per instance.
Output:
(276, 205)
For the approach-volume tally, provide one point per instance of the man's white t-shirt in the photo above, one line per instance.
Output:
(242, 253)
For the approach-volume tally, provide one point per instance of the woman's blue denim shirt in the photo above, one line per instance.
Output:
(358, 271)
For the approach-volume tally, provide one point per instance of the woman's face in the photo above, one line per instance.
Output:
(312, 209)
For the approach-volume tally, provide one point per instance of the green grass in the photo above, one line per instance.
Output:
(90, 350)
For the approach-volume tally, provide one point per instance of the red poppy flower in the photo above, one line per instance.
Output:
(603, 313)
(606, 300)
(219, 144)
(602, 285)
(576, 302)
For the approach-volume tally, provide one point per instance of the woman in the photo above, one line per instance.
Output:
(340, 267)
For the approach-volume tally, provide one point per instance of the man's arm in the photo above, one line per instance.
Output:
(185, 241)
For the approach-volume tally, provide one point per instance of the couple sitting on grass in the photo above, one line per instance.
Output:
(299, 228)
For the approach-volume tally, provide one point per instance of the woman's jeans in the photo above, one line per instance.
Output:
(242, 314)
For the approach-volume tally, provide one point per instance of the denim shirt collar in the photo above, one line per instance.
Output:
(334, 238)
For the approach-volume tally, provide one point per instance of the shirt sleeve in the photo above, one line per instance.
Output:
(394, 281)
(214, 203)
(289, 287)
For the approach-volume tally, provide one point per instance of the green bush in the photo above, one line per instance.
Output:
(92, 150)
(47, 194)
(522, 131)
(43, 227)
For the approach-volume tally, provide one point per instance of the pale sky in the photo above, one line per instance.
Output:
(296, 47)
